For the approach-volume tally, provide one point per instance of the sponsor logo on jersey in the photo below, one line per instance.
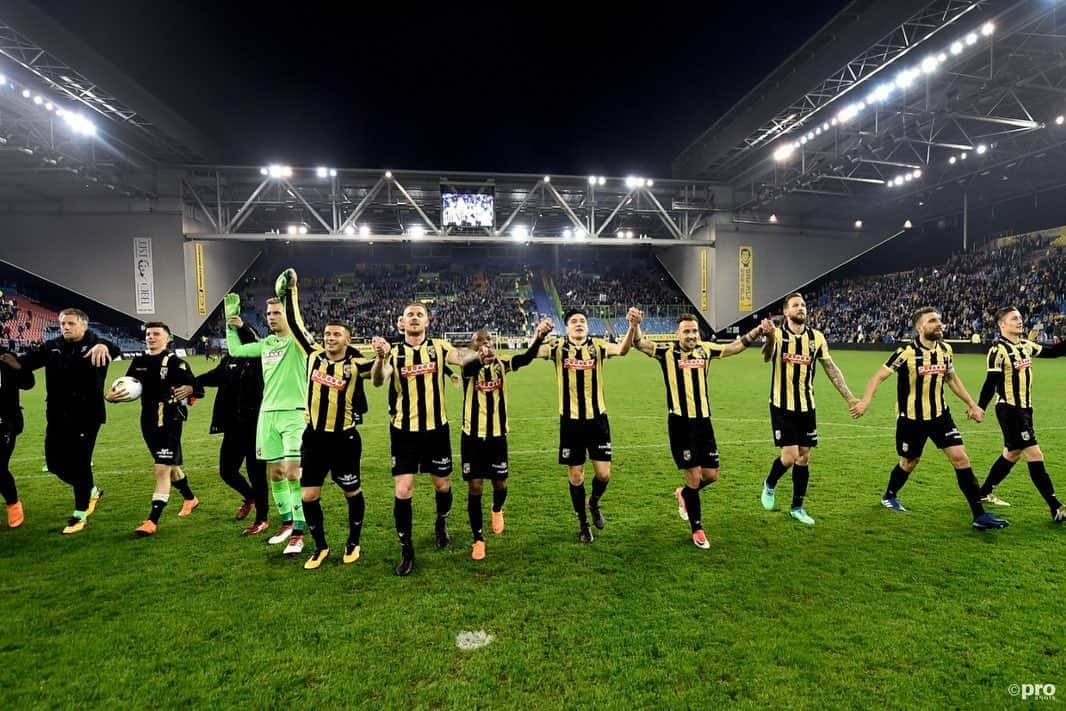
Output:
(330, 381)
(273, 355)
(1023, 364)
(796, 358)
(488, 386)
(413, 371)
(691, 362)
(933, 369)
(579, 363)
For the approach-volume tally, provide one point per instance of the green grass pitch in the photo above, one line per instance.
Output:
(868, 608)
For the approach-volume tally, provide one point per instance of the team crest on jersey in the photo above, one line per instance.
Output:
(163, 373)
(413, 371)
(691, 362)
(796, 358)
(579, 363)
(347, 370)
(933, 369)
(488, 386)
(1023, 364)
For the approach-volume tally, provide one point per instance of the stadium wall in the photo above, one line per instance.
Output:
(784, 260)
(87, 246)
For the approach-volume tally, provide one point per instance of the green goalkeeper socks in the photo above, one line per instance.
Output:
(296, 492)
(282, 499)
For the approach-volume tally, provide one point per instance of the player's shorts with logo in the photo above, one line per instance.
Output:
(335, 452)
(279, 434)
(164, 443)
(1017, 426)
(692, 442)
(576, 437)
(421, 452)
(793, 428)
(484, 458)
(912, 434)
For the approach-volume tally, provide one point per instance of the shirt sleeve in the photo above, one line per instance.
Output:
(714, 349)
(897, 359)
(241, 350)
(821, 346)
(994, 360)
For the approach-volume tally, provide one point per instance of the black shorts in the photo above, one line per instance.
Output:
(484, 458)
(164, 443)
(692, 442)
(911, 435)
(334, 452)
(793, 428)
(421, 452)
(576, 437)
(1017, 426)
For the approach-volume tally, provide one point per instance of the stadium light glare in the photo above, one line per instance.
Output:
(962, 156)
(364, 230)
(956, 47)
(942, 57)
(416, 231)
(601, 180)
(773, 219)
(982, 149)
(38, 99)
(881, 93)
(650, 182)
(520, 232)
(275, 170)
(917, 173)
(262, 171)
(349, 230)
(971, 39)
(908, 177)
(929, 65)
(825, 126)
(3, 80)
(858, 224)
(26, 93)
(547, 178)
(619, 234)
(629, 234)
(291, 230)
(899, 180)
(568, 233)
(592, 180)
(580, 233)
(50, 106)
(951, 160)
(907, 225)
(303, 229)
(987, 29)
(388, 175)
(1059, 119)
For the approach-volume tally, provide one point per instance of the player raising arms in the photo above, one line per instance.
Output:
(684, 362)
(792, 349)
(485, 427)
(336, 403)
(583, 424)
(419, 435)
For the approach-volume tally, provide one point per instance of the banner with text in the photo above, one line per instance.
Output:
(143, 282)
(746, 279)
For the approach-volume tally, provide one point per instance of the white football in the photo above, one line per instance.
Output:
(131, 385)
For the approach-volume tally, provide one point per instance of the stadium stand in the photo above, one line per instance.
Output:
(1028, 272)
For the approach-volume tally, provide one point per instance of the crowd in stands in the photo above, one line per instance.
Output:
(371, 297)
(617, 291)
(23, 322)
(968, 289)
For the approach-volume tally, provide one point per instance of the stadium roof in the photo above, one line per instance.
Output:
(899, 109)
(57, 94)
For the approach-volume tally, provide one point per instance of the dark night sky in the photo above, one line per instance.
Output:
(531, 88)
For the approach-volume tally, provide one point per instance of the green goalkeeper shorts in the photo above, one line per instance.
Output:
(278, 435)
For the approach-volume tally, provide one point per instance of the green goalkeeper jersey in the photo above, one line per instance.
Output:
(284, 369)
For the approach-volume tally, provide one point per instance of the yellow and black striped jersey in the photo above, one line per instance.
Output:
(416, 393)
(1015, 362)
(485, 393)
(579, 377)
(792, 379)
(685, 376)
(336, 398)
(921, 373)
